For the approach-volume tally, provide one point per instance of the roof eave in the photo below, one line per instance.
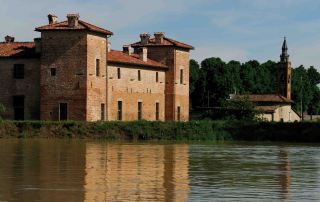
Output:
(140, 65)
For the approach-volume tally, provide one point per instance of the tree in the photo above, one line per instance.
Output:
(301, 89)
(195, 74)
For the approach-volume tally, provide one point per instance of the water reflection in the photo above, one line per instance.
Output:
(285, 174)
(41, 170)
(60, 170)
(136, 172)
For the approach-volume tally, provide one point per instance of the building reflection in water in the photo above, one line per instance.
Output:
(285, 176)
(42, 170)
(116, 172)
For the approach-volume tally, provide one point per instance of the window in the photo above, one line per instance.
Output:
(53, 71)
(179, 113)
(157, 77)
(119, 73)
(139, 75)
(157, 111)
(119, 110)
(63, 111)
(18, 107)
(181, 76)
(102, 111)
(97, 67)
(18, 71)
(139, 110)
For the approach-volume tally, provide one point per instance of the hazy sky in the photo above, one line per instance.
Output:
(230, 29)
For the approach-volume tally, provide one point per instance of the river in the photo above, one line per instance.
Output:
(81, 170)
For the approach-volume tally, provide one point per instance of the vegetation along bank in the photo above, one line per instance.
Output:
(185, 131)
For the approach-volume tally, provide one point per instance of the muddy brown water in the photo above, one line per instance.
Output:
(80, 170)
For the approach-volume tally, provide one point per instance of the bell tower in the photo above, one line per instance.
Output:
(284, 72)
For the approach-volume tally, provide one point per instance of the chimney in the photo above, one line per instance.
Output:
(127, 49)
(109, 47)
(144, 38)
(9, 39)
(52, 19)
(73, 20)
(143, 54)
(37, 42)
(159, 37)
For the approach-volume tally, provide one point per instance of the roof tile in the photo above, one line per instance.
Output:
(82, 26)
(166, 42)
(17, 49)
(123, 58)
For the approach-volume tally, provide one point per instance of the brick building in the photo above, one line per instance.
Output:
(72, 73)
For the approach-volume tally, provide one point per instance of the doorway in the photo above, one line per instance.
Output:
(63, 111)
(18, 106)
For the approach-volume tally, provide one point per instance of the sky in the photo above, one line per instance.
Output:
(230, 29)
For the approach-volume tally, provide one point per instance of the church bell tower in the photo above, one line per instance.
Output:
(284, 72)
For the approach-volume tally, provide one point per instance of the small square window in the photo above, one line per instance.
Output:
(18, 71)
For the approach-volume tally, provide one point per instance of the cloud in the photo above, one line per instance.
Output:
(240, 30)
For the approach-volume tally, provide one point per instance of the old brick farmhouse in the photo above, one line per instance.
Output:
(71, 73)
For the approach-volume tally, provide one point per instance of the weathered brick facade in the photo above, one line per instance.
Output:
(71, 73)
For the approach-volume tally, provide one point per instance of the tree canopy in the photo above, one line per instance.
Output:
(214, 80)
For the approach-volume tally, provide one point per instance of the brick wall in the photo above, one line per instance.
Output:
(96, 85)
(29, 86)
(176, 94)
(66, 51)
(131, 91)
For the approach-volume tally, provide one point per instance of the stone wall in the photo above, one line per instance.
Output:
(282, 114)
(28, 86)
(130, 91)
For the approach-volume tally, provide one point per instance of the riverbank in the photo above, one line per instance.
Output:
(143, 130)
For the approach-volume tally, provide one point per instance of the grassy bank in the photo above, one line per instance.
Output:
(142, 130)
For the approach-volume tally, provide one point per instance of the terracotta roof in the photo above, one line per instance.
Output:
(265, 98)
(17, 49)
(269, 109)
(82, 26)
(133, 59)
(166, 42)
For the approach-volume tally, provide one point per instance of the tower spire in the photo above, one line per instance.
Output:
(284, 55)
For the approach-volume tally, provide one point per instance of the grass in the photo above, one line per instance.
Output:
(182, 131)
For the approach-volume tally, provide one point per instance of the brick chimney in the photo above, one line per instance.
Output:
(144, 38)
(127, 49)
(52, 19)
(37, 42)
(73, 20)
(159, 37)
(108, 47)
(143, 54)
(9, 39)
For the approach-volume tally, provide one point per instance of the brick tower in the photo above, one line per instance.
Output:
(284, 72)
(175, 55)
(73, 70)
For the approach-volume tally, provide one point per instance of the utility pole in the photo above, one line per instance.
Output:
(301, 95)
